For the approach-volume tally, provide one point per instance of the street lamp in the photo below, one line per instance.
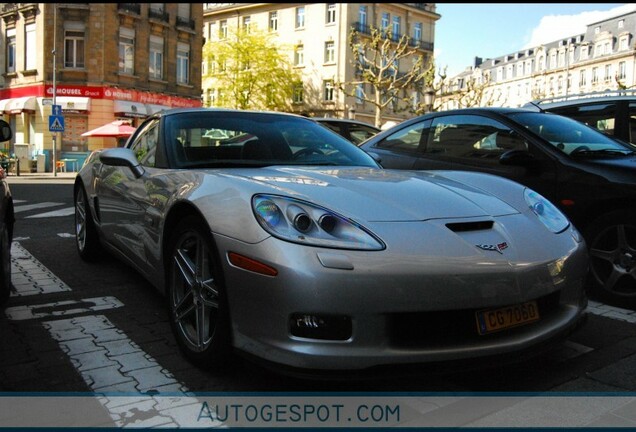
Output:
(429, 98)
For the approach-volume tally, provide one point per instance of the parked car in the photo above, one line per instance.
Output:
(7, 220)
(353, 130)
(588, 175)
(611, 112)
(297, 248)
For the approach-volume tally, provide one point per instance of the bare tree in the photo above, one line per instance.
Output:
(376, 59)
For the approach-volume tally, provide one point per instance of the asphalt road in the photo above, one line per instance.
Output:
(101, 327)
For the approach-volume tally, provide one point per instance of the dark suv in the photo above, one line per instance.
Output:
(588, 175)
(612, 112)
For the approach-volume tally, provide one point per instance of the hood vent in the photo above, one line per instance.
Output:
(469, 226)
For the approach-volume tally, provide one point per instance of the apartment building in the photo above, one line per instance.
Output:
(602, 58)
(318, 36)
(105, 61)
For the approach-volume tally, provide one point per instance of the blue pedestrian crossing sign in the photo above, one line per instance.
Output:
(56, 123)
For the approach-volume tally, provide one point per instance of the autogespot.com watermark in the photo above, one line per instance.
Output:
(310, 414)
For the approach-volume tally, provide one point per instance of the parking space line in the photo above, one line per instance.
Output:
(61, 308)
(30, 277)
(613, 312)
(21, 208)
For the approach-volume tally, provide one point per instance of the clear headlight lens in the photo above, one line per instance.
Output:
(547, 212)
(306, 223)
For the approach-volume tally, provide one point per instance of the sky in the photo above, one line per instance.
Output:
(489, 30)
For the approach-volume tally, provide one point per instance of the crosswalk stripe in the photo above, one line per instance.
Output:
(21, 208)
(62, 212)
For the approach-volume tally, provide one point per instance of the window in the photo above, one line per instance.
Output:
(223, 29)
(299, 55)
(331, 13)
(360, 93)
(396, 28)
(384, 23)
(417, 32)
(183, 63)
(11, 50)
(145, 145)
(597, 30)
(622, 70)
(30, 61)
(155, 67)
(183, 13)
(623, 43)
(363, 13)
(127, 51)
(74, 45)
(330, 52)
(298, 95)
(584, 52)
(247, 23)
(594, 75)
(582, 78)
(328, 91)
(621, 23)
(608, 72)
(407, 139)
(273, 21)
(300, 17)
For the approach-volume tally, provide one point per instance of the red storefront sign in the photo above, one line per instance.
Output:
(100, 92)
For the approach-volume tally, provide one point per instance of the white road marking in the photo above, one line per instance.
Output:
(613, 312)
(57, 213)
(66, 235)
(61, 308)
(29, 276)
(21, 208)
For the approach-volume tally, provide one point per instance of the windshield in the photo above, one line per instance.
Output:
(239, 139)
(572, 137)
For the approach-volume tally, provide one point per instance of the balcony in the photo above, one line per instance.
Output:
(185, 22)
(129, 7)
(158, 14)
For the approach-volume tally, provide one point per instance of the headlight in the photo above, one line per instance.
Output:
(305, 223)
(547, 213)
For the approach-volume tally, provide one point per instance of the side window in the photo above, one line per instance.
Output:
(471, 137)
(145, 145)
(407, 139)
(599, 115)
(632, 123)
(360, 133)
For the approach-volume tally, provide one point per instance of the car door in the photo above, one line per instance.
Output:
(473, 142)
(125, 204)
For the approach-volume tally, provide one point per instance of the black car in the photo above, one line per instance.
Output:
(588, 175)
(7, 220)
(353, 130)
(611, 112)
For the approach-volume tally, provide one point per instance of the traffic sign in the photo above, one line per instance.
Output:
(56, 110)
(56, 123)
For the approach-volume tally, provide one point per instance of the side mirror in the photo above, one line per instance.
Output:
(122, 157)
(517, 158)
(5, 131)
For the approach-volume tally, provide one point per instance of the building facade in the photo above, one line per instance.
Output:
(602, 58)
(318, 34)
(99, 62)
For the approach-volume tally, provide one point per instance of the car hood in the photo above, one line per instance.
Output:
(379, 195)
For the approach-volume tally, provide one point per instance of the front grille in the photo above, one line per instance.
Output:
(446, 328)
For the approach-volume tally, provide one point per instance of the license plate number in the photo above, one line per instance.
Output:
(492, 320)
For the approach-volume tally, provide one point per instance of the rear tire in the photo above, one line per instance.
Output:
(86, 237)
(197, 301)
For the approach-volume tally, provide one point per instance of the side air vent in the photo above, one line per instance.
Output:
(469, 226)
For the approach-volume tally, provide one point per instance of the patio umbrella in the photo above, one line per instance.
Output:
(114, 129)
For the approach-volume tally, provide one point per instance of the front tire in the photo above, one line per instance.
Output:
(86, 237)
(612, 246)
(197, 302)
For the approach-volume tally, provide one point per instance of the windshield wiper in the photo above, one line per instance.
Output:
(608, 152)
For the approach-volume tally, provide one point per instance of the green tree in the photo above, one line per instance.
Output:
(250, 71)
(376, 60)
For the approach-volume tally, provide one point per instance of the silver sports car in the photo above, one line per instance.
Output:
(272, 236)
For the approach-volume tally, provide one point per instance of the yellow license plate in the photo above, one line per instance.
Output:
(492, 320)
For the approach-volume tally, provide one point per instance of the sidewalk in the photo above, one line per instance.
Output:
(13, 178)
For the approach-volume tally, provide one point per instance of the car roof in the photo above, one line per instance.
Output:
(582, 98)
(341, 120)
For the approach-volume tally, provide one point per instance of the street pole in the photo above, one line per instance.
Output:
(54, 86)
